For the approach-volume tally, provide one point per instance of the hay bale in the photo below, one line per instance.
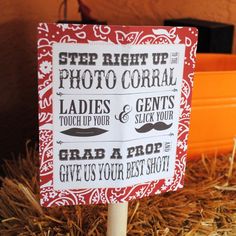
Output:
(206, 205)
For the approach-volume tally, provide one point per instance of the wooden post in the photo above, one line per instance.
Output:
(117, 219)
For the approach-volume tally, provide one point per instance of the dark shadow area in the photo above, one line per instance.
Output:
(18, 87)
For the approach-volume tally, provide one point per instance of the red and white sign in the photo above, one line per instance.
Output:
(114, 111)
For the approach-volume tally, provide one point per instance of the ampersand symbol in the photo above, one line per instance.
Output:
(123, 117)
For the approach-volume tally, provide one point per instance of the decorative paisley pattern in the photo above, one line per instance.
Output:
(51, 33)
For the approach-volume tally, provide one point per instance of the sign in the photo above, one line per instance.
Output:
(114, 109)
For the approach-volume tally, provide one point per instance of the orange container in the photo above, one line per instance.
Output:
(213, 118)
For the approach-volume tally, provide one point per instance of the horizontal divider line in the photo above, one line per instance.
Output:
(102, 94)
(116, 141)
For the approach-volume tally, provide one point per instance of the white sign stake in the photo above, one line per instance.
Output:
(117, 219)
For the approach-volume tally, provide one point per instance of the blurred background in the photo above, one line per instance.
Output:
(18, 36)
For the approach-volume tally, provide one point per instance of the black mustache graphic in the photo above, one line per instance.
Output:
(149, 126)
(79, 132)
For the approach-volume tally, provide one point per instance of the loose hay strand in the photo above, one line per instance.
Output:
(205, 206)
(232, 160)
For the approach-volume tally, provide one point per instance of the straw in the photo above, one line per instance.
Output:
(205, 206)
